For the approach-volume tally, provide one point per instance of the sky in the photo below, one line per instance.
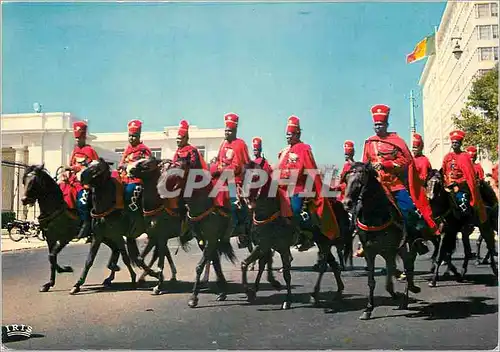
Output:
(326, 63)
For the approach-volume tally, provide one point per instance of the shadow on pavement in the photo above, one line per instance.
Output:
(454, 309)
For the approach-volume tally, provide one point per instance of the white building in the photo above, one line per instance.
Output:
(163, 143)
(446, 81)
(37, 138)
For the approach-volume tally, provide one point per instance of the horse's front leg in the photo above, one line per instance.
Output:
(370, 262)
(256, 254)
(170, 260)
(113, 261)
(408, 255)
(286, 258)
(336, 272)
(54, 249)
(162, 252)
(322, 266)
(193, 301)
(154, 257)
(94, 248)
(221, 280)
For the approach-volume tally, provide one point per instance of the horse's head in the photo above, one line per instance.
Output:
(260, 180)
(171, 177)
(143, 167)
(36, 181)
(96, 173)
(357, 178)
(434, 184)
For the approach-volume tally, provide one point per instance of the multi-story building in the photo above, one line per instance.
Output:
(446, 80)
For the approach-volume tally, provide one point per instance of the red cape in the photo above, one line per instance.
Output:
(320, 205)
(465, 164)
(423, 166)
(415, 185)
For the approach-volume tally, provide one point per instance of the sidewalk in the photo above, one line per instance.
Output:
(8, 245)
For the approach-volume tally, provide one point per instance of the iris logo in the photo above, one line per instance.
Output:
(16, 331)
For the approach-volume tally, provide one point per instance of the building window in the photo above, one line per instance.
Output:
(120, 151)
(494, 9)
(495, 31)
(202, 150)
(482, 10)
(495, 53)
(484, 32)
(485, 54)
(156, 153)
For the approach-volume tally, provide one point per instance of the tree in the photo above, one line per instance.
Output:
(479, 118)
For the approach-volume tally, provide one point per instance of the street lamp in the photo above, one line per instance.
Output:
(457, 52)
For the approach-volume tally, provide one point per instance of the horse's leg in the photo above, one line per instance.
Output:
(341, 263)
(435, 254)
(409, 256)
(336, 272)
(54, 249)
(439, 261)
(161, 243)
(153, 259)
(245, 263)
(113, 260)
(193, 301)
(270, 275)
(370, 262)
(390, 263)
(221, 280)
(250, 250)
(126, 259)
(286, 258)
(322, 266)
(479, 242)
(94, 248)
(489, 237)
(170, 260)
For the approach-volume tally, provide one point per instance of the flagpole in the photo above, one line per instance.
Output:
(413, 128)
(440, 103)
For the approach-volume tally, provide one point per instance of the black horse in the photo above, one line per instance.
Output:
(58, 223)
(446, 209)
(210, 226)
(490, 200)
(270, 232)
(163, 216)
(380, 229)
(110, 221)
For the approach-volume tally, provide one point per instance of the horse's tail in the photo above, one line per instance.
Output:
(133, 252)
(184, 239)
(225, 248)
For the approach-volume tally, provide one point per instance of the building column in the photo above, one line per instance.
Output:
(20, 158)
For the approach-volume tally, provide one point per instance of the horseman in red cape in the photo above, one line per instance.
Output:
(478, 169)
(398, 175)
(135, 151)
(459, 174)
(422, 163)
(349, 160)
(74, 194)
(298, 157)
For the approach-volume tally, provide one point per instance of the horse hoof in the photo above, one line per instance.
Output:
(156, 291)
(45, 288)
(251, 296)
(67, 269)
(432, 284)
(193, 302)
(74, 290)
(314, 299)
(107, 282)
(414, 289)
(365, 316)
(173, 280)
(403, 306)
(221, 297)
(478, 262)
(286, 305)
(459, 278)
(463, 272)
(114, 268)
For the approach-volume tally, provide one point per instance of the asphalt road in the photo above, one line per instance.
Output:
(451, 316)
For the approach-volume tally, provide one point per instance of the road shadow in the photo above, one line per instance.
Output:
(488, 280)
(174, 287)
(18, 338)
(359, 302)
(454, 309)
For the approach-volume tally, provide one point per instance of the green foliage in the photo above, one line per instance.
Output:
(7, 216)
(479, 119)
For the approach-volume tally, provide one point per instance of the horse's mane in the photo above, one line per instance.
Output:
(46, 180)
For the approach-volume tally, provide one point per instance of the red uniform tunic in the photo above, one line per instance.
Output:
(494, 173)
(266, 167)
(193, 152)
(233, 155)
(342, 186)
(479, 171)
(398, 169)
(458, 168)
(132, 154)
(423, 166)
(299, 158)
(79, 159)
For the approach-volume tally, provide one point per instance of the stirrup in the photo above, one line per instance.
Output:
(305, 216)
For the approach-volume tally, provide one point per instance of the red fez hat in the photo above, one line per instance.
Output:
(293, 124)
(79, 128)
(471, 150)
(231, 120)
(457, 135)
(380, 113)
(417, 140)
(134, 126)
(257, 143)
(348, 146)
(183, 128)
